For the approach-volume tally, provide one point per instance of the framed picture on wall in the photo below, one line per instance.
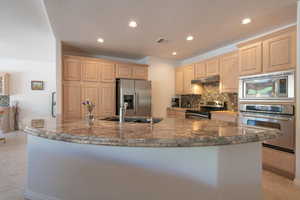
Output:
(37, 85)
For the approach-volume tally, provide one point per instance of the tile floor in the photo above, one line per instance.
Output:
(13, 174)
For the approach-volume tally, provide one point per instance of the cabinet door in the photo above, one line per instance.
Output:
(188, 76)
(107, 99)
(71, 69)
(108, 72)
(250, 59)
(179, 81)
(71, 101)
(200, 70)
(212, 67)
(140, 72)
(229, 73)
(90, 91)
(124, 71)
(279, 52)
(90, 71)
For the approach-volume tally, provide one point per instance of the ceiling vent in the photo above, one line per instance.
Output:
(161, 40)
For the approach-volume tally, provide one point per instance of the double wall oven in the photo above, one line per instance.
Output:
(281, 117)
(267, 100)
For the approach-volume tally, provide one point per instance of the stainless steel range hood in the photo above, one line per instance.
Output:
(209, 79)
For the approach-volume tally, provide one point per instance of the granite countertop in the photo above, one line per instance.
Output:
(170, 132)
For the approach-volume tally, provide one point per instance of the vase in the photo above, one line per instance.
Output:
(90, 119)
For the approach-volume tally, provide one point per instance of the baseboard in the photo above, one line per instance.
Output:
(29, 195)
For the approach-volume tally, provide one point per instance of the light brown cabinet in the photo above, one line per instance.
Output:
(140, 72)
(108, 72)
(90, 70)
(107, 99)
(229, 72)
(71, 69)
(124, 71)
(179, 80)
(212, 66)
(279, 52)
(270, 53)
(4, 84)
(132, 71)
(250, 59)
(200, 70)
(94, 79)
(71, 100)
(188, 76)
(90, 91)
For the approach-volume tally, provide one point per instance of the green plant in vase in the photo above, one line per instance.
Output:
(90, 107)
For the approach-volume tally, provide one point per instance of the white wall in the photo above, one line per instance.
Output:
(27, 52)
(297, 180)
(162, 75)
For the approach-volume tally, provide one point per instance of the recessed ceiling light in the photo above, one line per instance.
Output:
(132, 24)
(246, 21)
(174, 53)
(189, 38)
(100, 40)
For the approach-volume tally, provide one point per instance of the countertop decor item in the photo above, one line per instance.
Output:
(37, 85)
(90, 107)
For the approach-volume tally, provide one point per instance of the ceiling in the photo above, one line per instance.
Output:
(25, 31)
(213, 23)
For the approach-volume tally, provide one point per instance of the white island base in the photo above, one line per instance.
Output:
(68, 171)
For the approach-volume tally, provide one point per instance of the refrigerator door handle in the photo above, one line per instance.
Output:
(135, 102)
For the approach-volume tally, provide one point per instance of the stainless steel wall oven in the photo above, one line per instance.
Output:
(280, 117)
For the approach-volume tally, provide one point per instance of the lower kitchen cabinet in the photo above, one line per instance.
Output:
(71, 100)
(229, 73)
(176, 112)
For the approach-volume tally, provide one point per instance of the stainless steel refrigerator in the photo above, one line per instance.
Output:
(137, 94)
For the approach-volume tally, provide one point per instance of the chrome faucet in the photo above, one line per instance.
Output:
(123, 109)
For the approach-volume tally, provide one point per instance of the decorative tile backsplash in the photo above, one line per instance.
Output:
(4, 100)
(211, 92)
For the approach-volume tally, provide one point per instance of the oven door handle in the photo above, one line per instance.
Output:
(268, 117)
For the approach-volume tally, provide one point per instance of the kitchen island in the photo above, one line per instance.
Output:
(173, 159)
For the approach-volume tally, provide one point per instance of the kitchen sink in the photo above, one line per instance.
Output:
(134, 119)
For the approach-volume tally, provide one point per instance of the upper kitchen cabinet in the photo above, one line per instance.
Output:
(132, 71)
(279, 52)
(229, 72)
(188, 76)
(212, 66)
(140, 72)
(250, 59)
(200, 70)
(4, 84)
(124, 71)
(179, 80)
(71, 68)
(90, 70)
(108, 72)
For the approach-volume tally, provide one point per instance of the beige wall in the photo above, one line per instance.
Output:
(162, 75)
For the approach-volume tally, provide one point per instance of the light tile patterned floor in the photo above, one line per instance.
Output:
(13, 174)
